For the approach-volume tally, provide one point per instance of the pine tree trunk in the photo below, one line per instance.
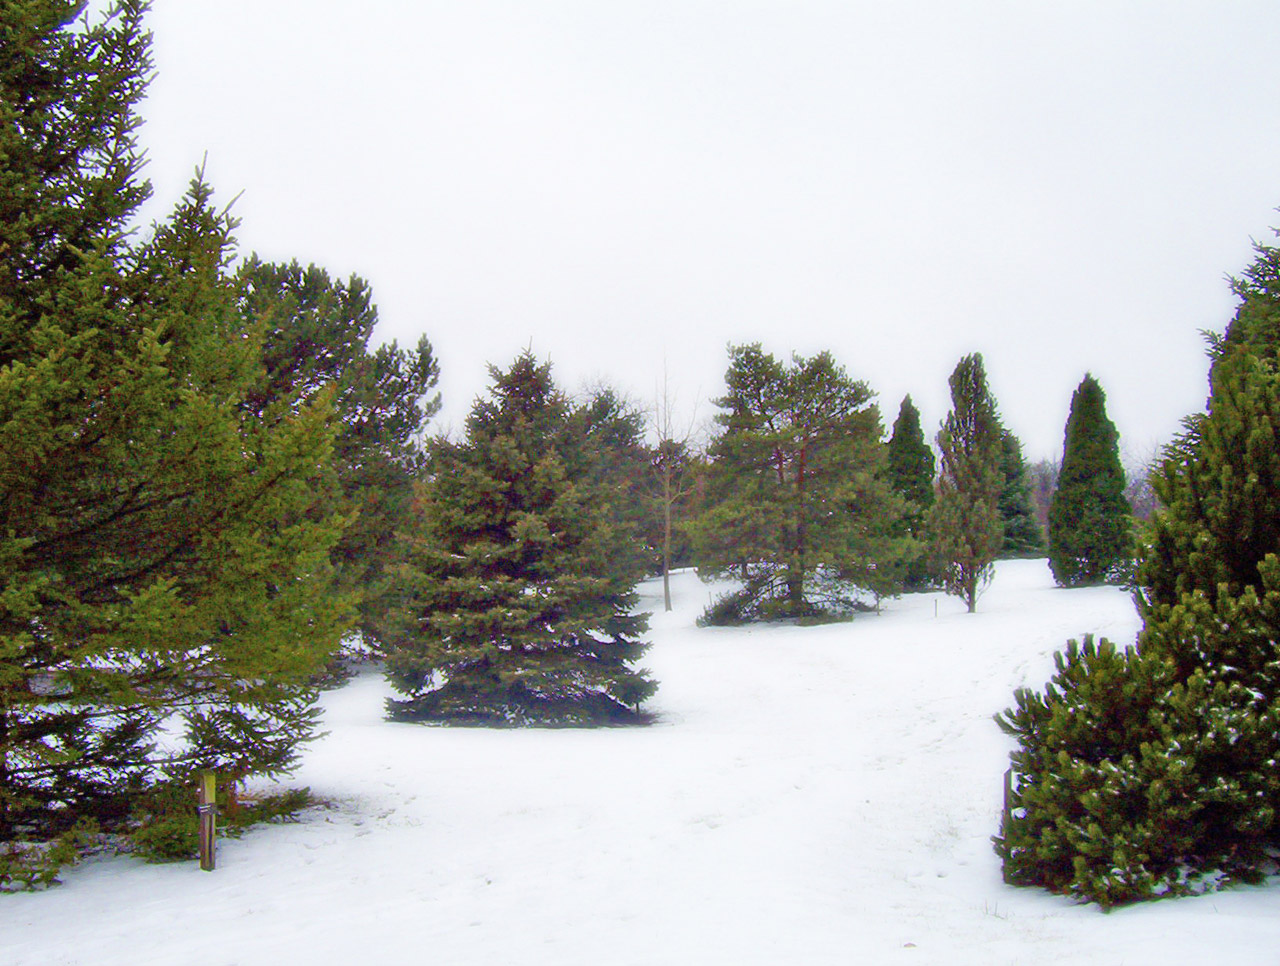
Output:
(795, 578)
(666, 540)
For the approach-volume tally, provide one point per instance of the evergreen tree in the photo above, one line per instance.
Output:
(161, 562)
(1022, 534)
(519, 581)
(798, 505)
(1044, 480)
(964, 524)
(610, 454)
(910, 469)
(1153, 771)
(316, 335)
(674, 471)
(1090, 539)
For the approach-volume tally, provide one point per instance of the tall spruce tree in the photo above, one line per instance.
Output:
(798, 505)
(1151, 771)
(1090, 526)
(910, 469)
(161, 563)
(964, 524)
(316, 339)
(1022, 534)
(518, 586)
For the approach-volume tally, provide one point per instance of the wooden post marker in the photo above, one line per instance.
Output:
(1007, 815)
(208, 811)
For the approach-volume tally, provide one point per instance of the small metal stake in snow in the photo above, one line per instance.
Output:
(208, 818)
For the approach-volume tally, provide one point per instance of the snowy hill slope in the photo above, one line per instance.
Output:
(808, 795)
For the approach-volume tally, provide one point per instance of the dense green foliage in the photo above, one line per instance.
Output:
(797, 503)
(164, 564)
(1090, 526)
(1022, 534)
(964, 523)
(518, 586)
(909, 470)
(316, 339)
(1153, 771)
(613, 459)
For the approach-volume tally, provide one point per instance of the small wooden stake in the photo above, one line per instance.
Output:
(208, 819)
(1005, 817)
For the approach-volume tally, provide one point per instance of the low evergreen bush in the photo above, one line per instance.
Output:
(1130, 785)
(27, 865)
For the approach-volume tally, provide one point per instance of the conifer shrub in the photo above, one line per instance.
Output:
(168, 825)
(29, 865)
(1130, 786)
(1153, 771)
(762, 597)
(731, 609)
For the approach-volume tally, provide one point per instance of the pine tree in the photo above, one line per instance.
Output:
(910, 469)
(798, 504)
(1043, 475)
(518, 583)
(1022, 534)
(1152, 771)
(316, 335)
(610, 454)
(160, 561)
(1090, 525)
(964, 524)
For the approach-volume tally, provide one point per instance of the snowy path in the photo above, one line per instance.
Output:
(809, 795)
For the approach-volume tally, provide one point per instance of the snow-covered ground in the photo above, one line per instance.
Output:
(808, 795)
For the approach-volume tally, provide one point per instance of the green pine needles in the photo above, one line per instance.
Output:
(1022, 534)
(1090, 524)
(1152, 771)
(909, 470)
(518, 586)
(165, 567)
(316, 338)
(966, 532)
(798, 504)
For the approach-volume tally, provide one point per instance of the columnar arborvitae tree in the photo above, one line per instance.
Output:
(316, 335)
(1090, 526)
(1153, 771)
(518, 586)
(798, 505)
(1022, 534)
(910, 469)
(964, 523)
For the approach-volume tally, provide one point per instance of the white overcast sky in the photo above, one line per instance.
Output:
(1062, 187)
